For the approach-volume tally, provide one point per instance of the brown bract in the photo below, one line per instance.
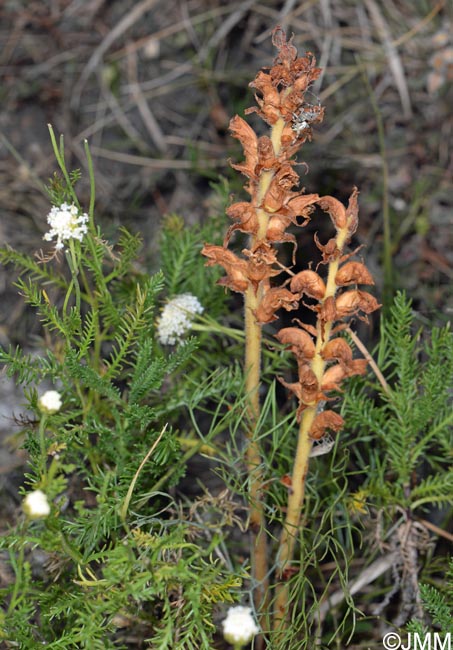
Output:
(330, 251)
(266, 155)
(279, 192)
(337, 350)
(260, 264)
(244, 214)
(297, 207)
(334, 375)
(306, 390)
(243, 273)
(268, 99)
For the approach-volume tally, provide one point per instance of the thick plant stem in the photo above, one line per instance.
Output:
(257, 517)
(292, 521)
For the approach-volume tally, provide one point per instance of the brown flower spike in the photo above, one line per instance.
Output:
(275, 205)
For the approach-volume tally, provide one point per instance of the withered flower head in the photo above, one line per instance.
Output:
(332, 360)
(282, 89)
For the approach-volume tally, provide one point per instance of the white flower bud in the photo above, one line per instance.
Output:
(50, 402)
(239, 627)
(177, 317)
(35, 505)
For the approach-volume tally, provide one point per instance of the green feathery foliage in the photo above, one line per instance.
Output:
(119, 555)
(408, 425)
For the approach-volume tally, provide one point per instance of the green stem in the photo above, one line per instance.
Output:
(19, 570)
(92, 184)
(206, 324)
(73, 265)
(59, 155)
(42, 443)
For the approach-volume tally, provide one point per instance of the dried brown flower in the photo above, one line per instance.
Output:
(244, 214)
(308, 283)
(237, 269)
(330, 251)
(337, 350)
(355, 301)
(275, 299)
(325, 421)
(300, 342)
(353, 273)
(342, 217)
(249, 141)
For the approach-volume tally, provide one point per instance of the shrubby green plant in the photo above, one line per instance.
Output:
(438, 603)
(103, 438)
(402, 452)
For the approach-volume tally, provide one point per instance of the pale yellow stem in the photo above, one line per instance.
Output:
(254, 462)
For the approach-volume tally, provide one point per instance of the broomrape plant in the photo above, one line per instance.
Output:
(323, 358)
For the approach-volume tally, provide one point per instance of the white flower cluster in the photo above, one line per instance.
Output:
(239, 627)
(177, 317)
(50, 402)
(66, 223)
(35, 505)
